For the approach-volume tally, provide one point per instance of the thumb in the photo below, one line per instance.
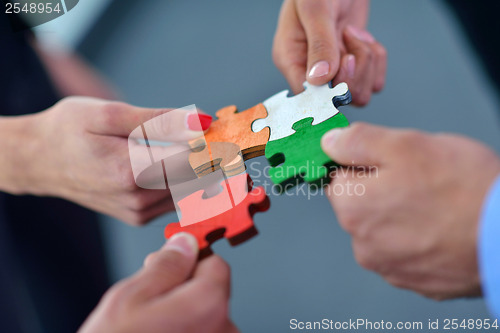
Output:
(357, 145)
(165, 269)
(323, 53)
(121, 119)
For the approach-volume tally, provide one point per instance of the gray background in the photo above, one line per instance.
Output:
(216, 53)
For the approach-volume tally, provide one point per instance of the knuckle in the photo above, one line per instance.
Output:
(160, 125)
(370, 55)
(127, 181)
(348, 221)
(219, 279)
(320, 46)
(364, 260)
(380, 51)
(137, 202)
(124, 177)
(221, 267)
(396, 281)
(379, 84)
(136, 218)
(365, 54)
(109, 113)
(406, 142)
(362, 98)
(150, 258)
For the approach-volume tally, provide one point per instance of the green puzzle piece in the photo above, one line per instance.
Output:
(299, 156)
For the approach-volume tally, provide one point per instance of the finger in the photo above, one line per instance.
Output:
(378, 65)
(142, 200)
(381, 66)
(347, 193)
(172, 265)
(152, 211)
(121, 119)
(323, 54)
(155, 166)
(215, 270)
(359, 43)
(295, 75)
(205, 297)
(347, 71)
(290, 47)
(357, 145)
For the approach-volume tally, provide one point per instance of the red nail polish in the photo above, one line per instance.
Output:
(195, 121)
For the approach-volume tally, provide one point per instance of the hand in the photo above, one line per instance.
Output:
(78, 150)
(414, 216)
(327, 40)
(170, 294)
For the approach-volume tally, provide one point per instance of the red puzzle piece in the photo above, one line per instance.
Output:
(235, 224)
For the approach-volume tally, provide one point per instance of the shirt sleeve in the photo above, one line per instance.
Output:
(489, 249)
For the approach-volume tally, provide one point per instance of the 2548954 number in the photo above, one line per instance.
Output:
(470, 324)
(32, 8)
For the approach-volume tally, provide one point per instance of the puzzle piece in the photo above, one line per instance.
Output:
(209, 186)
(299, 156)
(235, 127)
(314, 102)
(217, 155)
(235, 224)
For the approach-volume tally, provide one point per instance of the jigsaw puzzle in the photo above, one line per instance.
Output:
(235, 224)
(234, 127)
(299, 156)
(217, 155)
(210, 186)
(315, 102)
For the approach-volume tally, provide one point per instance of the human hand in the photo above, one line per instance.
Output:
(413, 216)
(327, 40)
(171, 293)
(79, 151)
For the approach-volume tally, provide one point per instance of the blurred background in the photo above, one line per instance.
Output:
(216, 53)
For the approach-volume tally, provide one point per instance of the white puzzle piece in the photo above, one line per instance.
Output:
(316, 102)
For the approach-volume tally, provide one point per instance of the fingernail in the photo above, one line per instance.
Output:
(330, 137)
(198, 121)
(362, 35)
(182, 242)
(351, 65)
(321, 68)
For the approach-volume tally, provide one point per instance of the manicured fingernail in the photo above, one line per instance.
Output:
(351, 65)
(198, 121)
(321, 68)
(362, 35)
(330, 137)
(182, 242)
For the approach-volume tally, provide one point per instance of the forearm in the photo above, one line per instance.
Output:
(18, 147)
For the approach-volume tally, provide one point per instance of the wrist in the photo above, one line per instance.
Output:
(18, 146)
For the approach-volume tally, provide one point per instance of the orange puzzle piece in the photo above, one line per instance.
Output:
(235, 127)
(235, 224)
